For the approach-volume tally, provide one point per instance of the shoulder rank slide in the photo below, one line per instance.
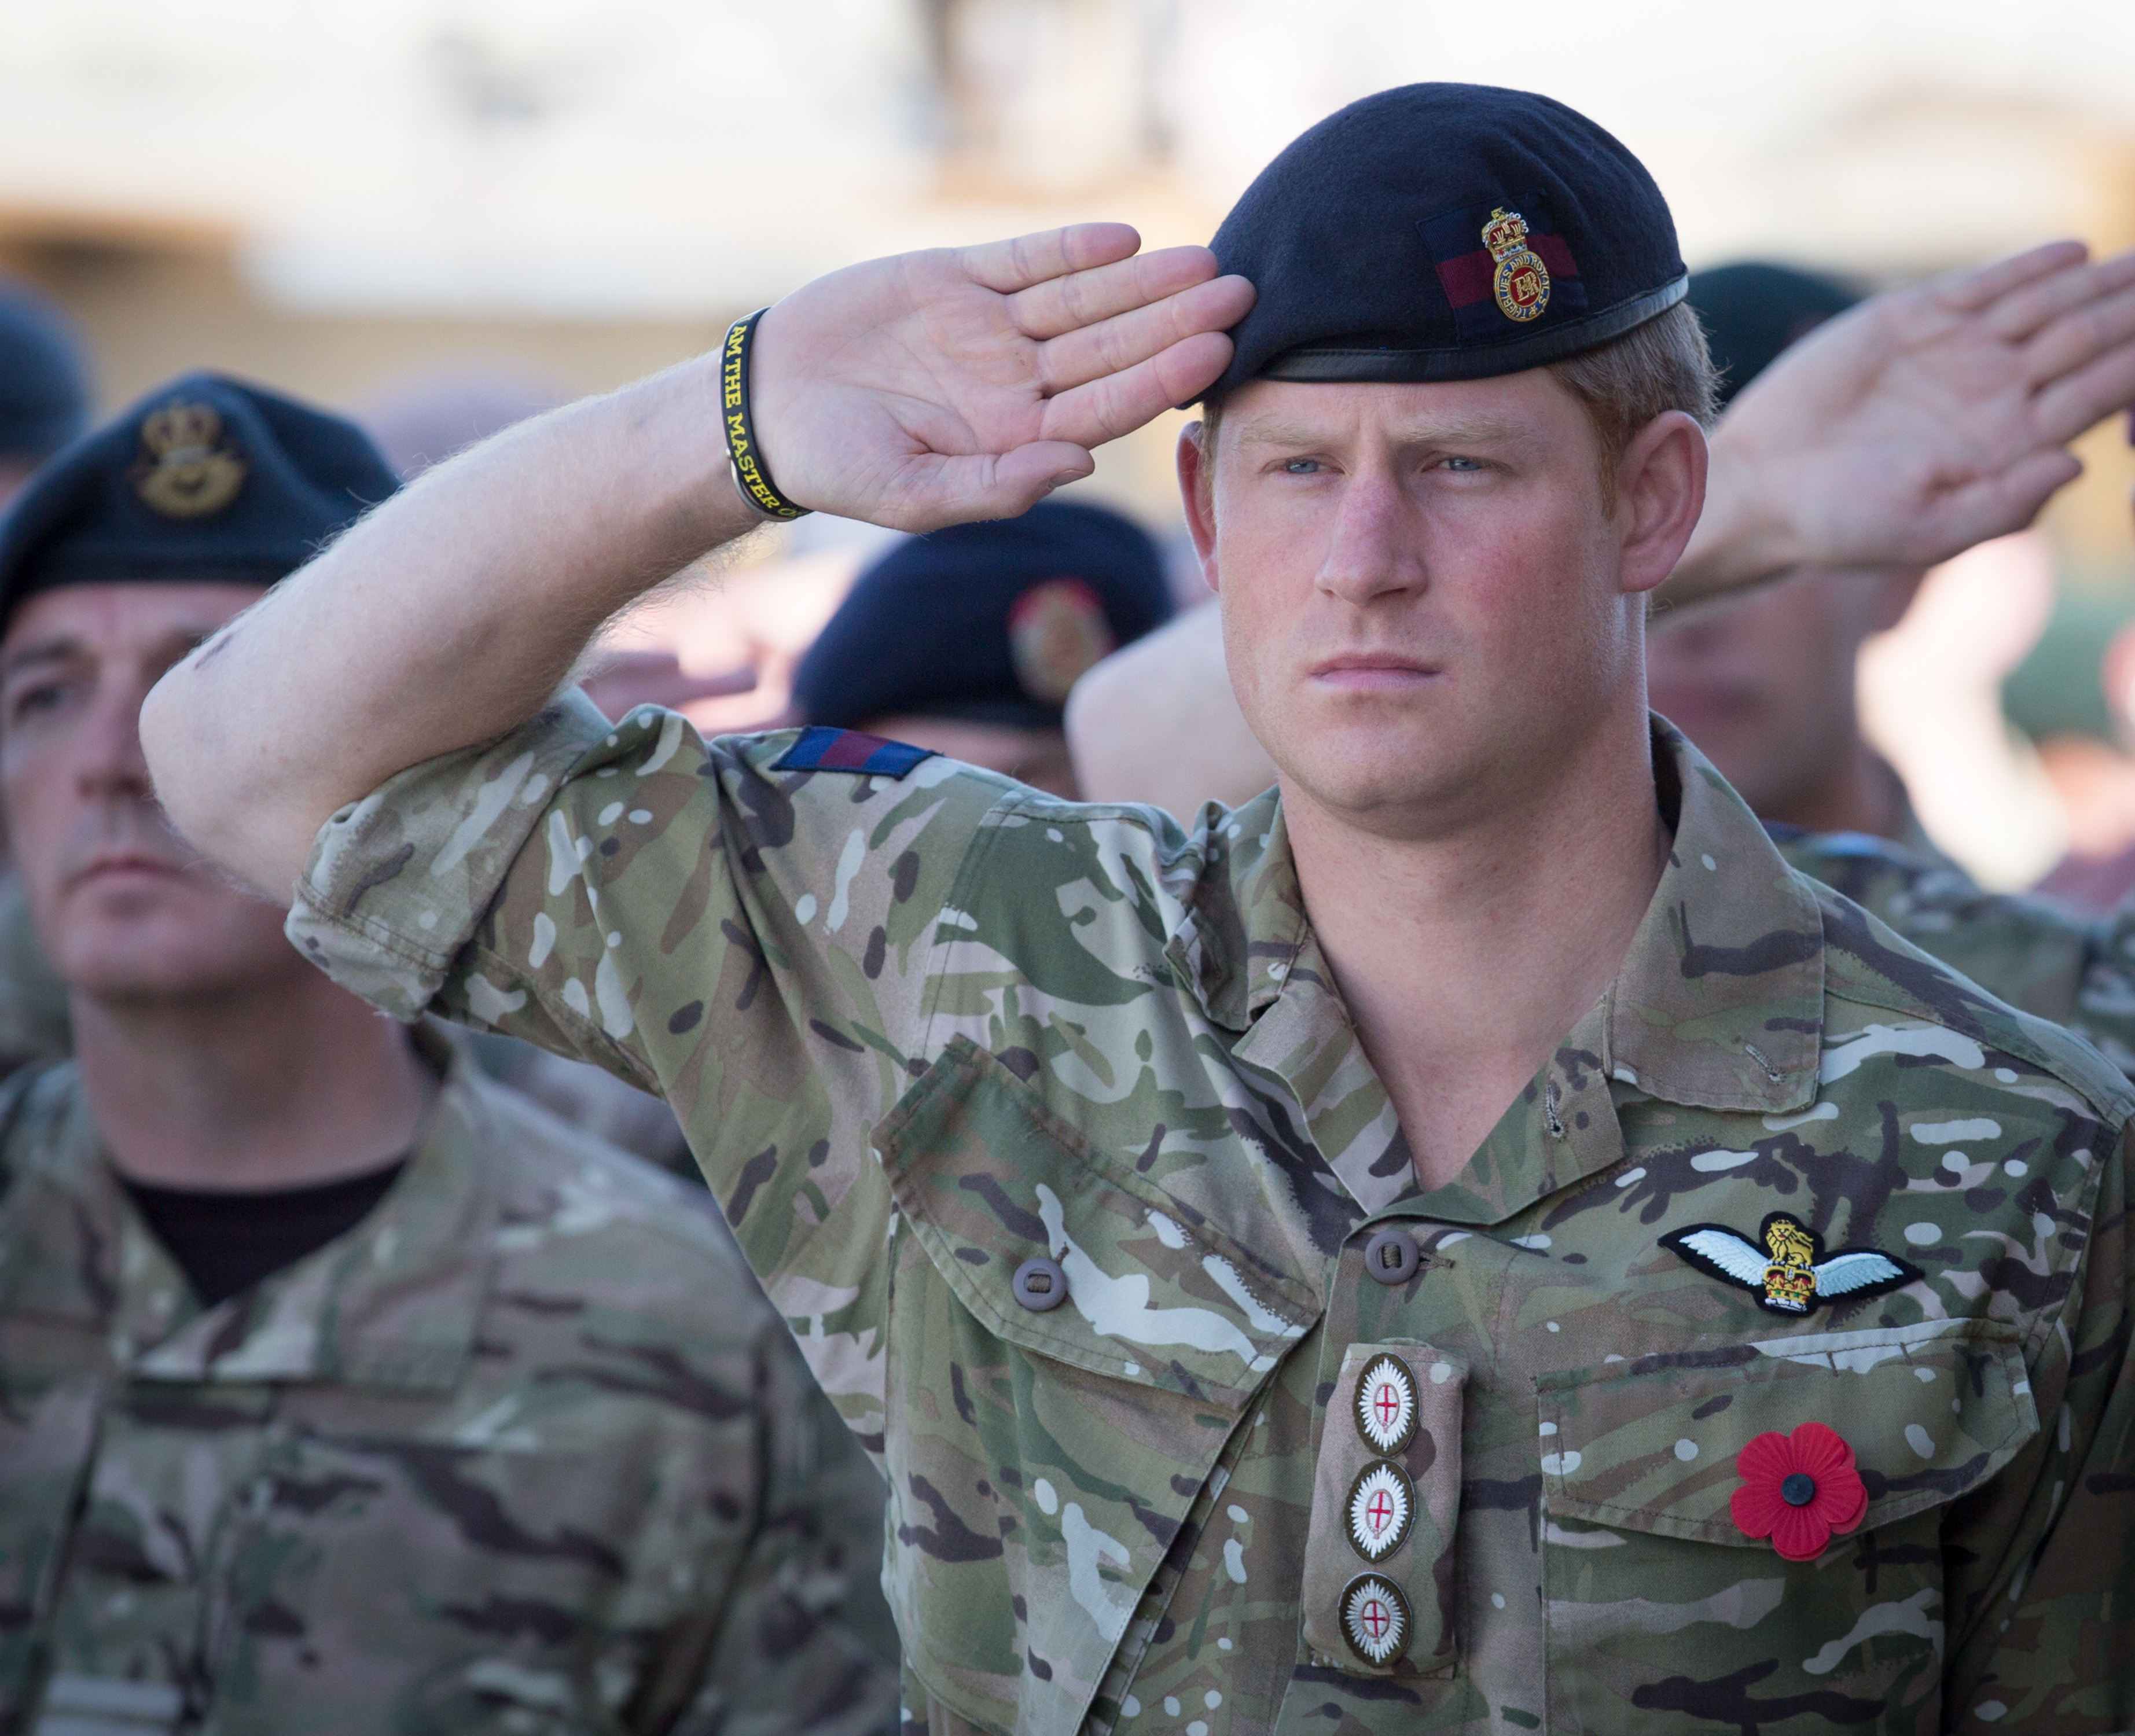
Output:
(1791, 1274)
(849, 750)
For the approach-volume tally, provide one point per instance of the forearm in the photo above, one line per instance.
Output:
(1743, 537)
(448, 616)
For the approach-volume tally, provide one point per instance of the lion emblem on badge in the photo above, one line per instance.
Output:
(1521, 282)
(186, 469)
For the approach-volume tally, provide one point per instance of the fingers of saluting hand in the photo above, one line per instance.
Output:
(1079, 298)
(1010, 266)
(1977, 287)
(2045, 300)
(2100, 322)
(1127, 340)
(1117, 402)
(2085, 396)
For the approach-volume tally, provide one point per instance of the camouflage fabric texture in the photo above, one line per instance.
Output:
(924, 1030)
(525, 1452)
(2074, 970)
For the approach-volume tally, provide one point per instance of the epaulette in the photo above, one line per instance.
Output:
(849, 750)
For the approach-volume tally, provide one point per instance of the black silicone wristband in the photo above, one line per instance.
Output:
(752, 479)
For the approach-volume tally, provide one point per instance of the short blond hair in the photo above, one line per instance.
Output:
(1663, 365)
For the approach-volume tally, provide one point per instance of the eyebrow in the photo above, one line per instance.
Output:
(40, 651)
(1459, 431)
(66, 647)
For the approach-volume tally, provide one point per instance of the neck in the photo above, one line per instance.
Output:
(261, 1086)
(1463, 958)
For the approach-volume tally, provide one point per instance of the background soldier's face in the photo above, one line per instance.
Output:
(122, 908)
(1423, 600)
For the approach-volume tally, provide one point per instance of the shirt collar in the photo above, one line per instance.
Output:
(393, 1304)
(1718, 1003)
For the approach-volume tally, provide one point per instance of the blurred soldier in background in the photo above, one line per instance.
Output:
(340, 1388)
(1763, 682)
(44, 385)
(967, 641)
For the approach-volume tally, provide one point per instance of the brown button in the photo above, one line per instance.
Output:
(1390, 1256)
(1040, 1284)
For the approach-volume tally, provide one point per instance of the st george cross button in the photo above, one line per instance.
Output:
(1382, 1502)
(1375, 1619)
(1385, 1404)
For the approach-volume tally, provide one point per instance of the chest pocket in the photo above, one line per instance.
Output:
(1043, 1460)
(1646, 1568)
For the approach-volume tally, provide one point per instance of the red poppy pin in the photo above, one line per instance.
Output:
(1798, 1489)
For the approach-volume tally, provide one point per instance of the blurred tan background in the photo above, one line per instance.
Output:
(562, 195)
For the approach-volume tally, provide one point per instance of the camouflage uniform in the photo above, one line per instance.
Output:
(2076, 970)
(928, 1029)
(525, 1452)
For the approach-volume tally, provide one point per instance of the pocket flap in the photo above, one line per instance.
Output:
(1930, 1411)
(988, 1178)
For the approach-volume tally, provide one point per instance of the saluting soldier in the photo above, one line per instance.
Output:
(341, 1390)
(1468, 1240)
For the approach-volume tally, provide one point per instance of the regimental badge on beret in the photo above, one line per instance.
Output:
(186, 469)
(1057, 630)
(1791, 1274)
(1521, 282)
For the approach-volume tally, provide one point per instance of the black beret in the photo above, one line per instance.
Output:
(1444, 232)
(44, 388)
(205, 478)
(990, 622)
(1752, 310)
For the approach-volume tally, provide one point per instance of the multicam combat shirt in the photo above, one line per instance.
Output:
(523, 1453)
(1047, 1130)
(2074, 970)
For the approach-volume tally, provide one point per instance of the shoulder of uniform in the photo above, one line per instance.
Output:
(852, 751)
(1868, 963)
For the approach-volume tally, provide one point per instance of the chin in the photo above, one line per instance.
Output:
(160, 958)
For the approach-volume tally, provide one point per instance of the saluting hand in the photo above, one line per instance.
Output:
(967, 383)
(1920, 423)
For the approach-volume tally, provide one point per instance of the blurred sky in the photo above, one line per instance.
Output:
(658, 158)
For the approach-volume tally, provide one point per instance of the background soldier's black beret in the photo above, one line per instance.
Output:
(1367, 241)
(205, 478)
(1752, 310)
(44, 388)
(990, 623)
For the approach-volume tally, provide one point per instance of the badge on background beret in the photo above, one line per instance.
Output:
(186, 469)
(1057, 632)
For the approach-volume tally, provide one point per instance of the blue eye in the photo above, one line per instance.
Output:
(1463, 464)
(1300, 466)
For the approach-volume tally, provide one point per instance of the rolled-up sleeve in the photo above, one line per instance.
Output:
(749, 941)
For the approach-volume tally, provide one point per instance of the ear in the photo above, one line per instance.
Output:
(1660, 491)
(1197, 495)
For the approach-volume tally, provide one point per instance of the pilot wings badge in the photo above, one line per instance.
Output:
(1791, 1274)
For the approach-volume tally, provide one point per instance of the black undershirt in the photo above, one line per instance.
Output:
(225, 1241)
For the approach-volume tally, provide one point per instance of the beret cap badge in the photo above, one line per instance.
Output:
(186, 470)
(1521, 282)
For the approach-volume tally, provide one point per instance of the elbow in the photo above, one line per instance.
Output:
(189, 772)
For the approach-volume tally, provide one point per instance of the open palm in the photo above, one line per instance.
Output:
(1931, 419)
(959, 384)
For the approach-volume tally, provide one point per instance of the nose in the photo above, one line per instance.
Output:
(1374, 549)
(109, 763)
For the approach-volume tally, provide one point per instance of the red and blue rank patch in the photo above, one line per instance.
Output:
(1468, 267)
(821, 749)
